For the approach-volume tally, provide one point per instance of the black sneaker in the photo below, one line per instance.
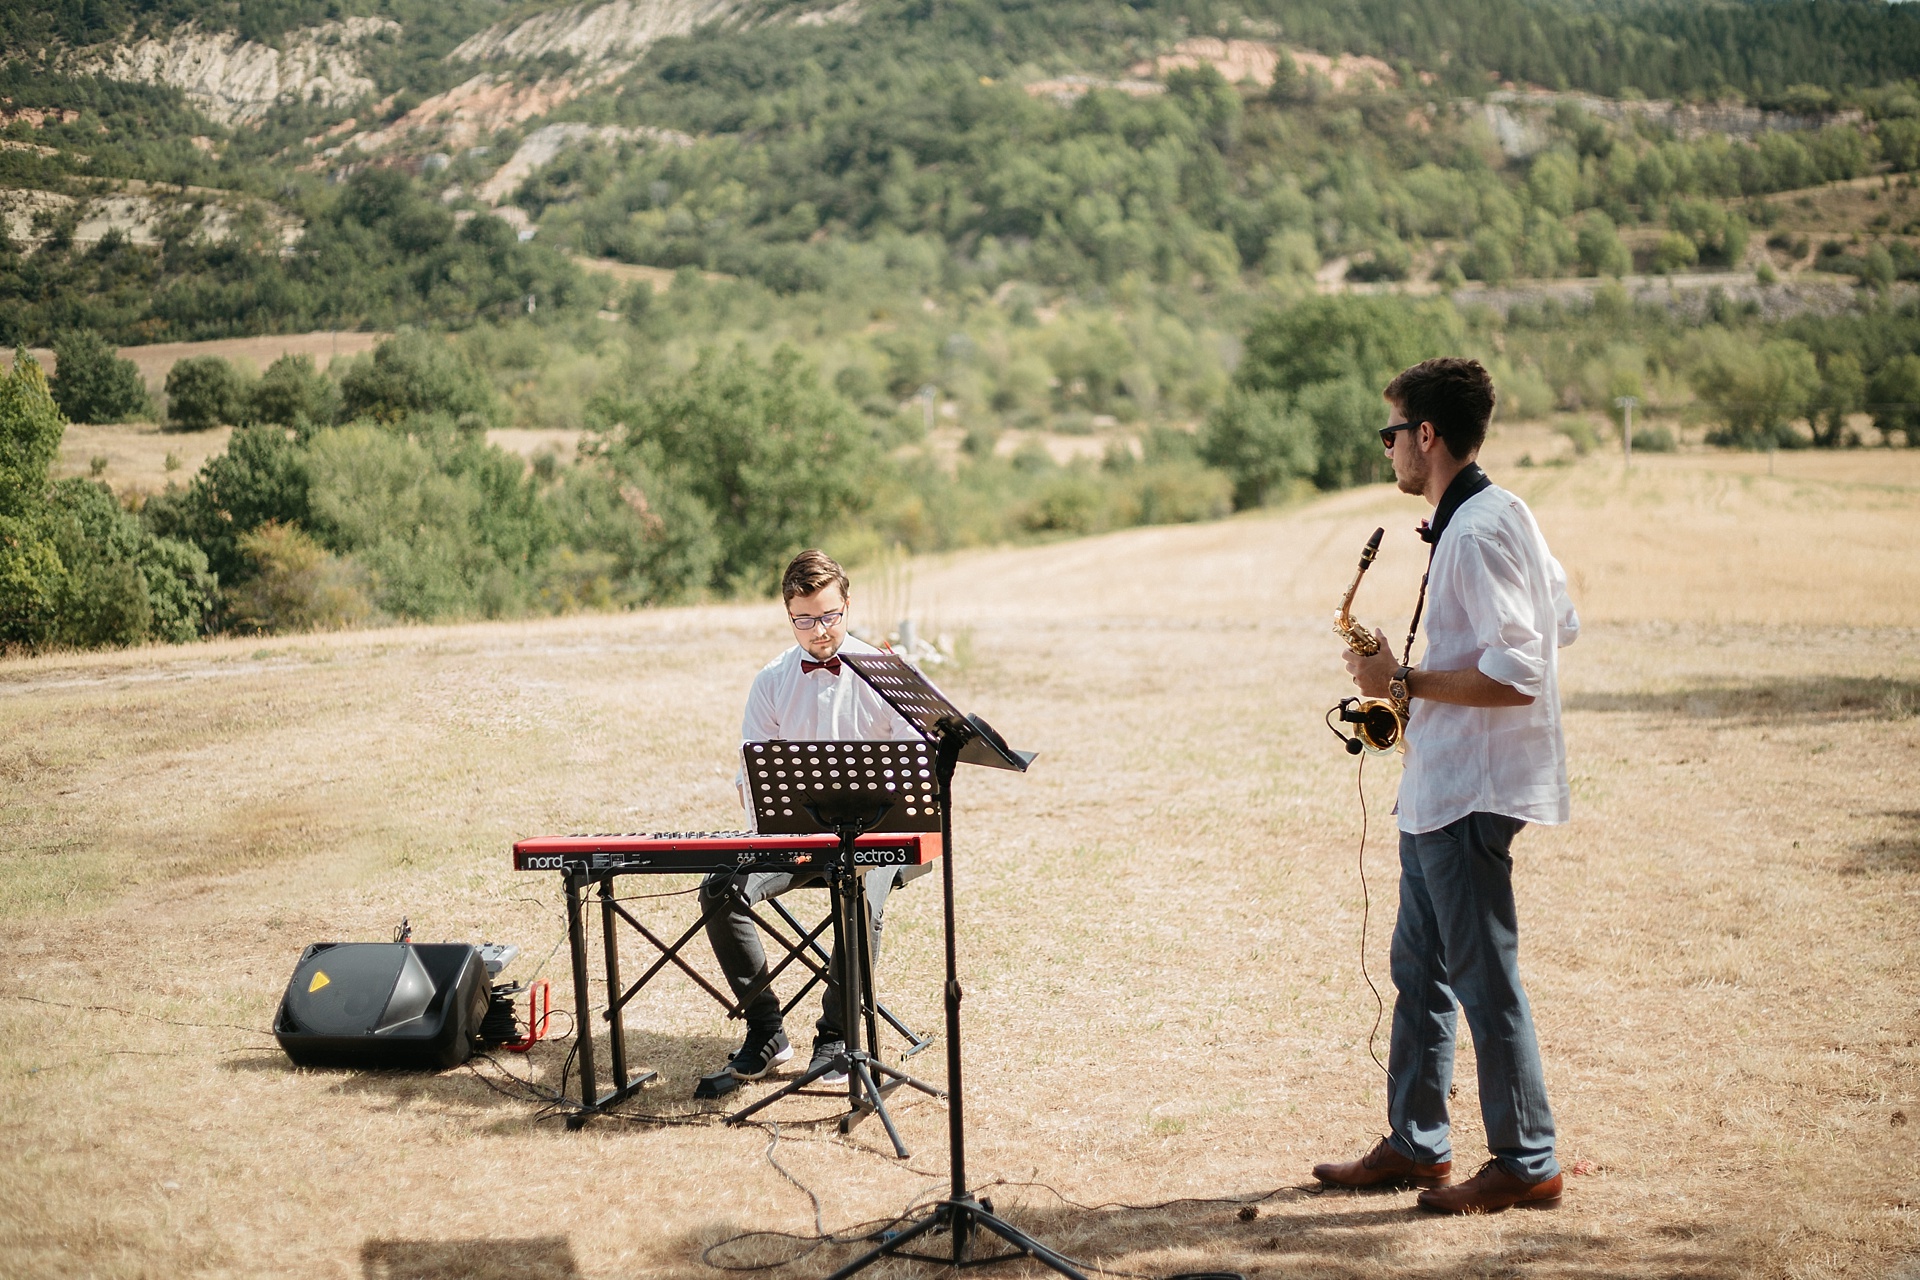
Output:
(824, 1052)
(763, 1051)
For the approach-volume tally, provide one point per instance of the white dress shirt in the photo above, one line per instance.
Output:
(1496, 600)
(816, 706)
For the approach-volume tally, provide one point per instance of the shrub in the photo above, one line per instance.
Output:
(32, 577)
(1657, 439)
(1261, 444)
(180, 591)
(203, 392)
(295, 585)
(1067, 502)
(293, 393)
(93, 384)
(1177, 492)
(1673, 252)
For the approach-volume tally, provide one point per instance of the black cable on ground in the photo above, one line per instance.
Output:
(1366, 909)
(134, 1013)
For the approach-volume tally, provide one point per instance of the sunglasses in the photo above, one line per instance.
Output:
(1387, 433)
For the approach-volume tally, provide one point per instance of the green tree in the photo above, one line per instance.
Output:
(1599, 248)
(1344, 336)
(261, 477)
(1843, 390)
(1347, 415)
(30, 431)
(411, 374)
(32, 578)
(1894, 397)
(203, 392)
(1260, 442)
(93, 384)
(103, 601)
(1554, 182)
(1754, 390)
(293, 393)
(776, 458)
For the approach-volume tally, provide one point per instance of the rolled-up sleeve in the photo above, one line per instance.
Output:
(1565, 615)
(1493, 588)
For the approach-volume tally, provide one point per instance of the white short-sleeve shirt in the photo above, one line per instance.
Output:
(1496, 600)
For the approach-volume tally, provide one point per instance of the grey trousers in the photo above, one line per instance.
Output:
(736, 940)
(1457, 938)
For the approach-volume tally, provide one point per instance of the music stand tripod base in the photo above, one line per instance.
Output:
(849, 789)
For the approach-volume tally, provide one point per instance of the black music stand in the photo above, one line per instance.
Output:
(849, 789)
(956, 738)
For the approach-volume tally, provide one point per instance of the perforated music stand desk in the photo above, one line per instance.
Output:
(849, 789)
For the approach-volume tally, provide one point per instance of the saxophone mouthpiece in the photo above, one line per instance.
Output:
(1373, 549)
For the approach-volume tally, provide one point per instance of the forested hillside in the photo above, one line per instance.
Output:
(891, 274)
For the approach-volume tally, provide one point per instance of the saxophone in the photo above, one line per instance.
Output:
(1377, 724)
(1358, 638)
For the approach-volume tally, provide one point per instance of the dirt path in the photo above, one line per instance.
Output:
(1160, 924)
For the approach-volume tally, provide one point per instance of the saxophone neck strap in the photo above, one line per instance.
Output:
(1468, 482)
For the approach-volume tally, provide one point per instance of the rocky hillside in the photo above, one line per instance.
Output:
(236, 81)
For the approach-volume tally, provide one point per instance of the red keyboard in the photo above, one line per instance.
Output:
(681, 852)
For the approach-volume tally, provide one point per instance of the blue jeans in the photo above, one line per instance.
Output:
(1457, 939)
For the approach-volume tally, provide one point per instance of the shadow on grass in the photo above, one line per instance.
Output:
(1293, 1231)
(539, 1258)
(1829, 698)
(527, 1080)
(1898, 853)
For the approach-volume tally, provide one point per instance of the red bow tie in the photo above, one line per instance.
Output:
(831, 664)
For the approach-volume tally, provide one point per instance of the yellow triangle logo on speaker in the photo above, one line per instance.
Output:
(319, 980)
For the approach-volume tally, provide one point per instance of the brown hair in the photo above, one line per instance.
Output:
(812, 571)
(1454, 394)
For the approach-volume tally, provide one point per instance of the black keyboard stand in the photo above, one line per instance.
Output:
(579, 883)
(869, 1080)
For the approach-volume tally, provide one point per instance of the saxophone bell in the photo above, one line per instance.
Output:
(1377, 725)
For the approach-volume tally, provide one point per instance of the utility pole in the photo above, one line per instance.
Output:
(1627, 404)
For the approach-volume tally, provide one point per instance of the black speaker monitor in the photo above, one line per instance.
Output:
(384, 1004)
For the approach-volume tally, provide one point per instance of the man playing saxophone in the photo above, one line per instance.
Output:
(1484, 757)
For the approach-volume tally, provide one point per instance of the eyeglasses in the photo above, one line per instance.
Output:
(805, 622)
(1387, 432)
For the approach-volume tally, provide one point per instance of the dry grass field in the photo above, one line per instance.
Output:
(1159, 924)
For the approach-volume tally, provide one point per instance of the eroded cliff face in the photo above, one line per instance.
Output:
(237, 81)
(616, 32)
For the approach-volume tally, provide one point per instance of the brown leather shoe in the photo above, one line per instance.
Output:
(1491, 1190)
(1384, 1167)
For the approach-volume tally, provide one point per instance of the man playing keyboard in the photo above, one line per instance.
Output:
(804, 695)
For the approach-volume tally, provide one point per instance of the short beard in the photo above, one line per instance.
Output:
(1414, 482)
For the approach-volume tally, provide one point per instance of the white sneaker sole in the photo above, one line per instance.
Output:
(785, 1055)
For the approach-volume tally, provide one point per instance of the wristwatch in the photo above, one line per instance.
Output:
(1397, 691)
